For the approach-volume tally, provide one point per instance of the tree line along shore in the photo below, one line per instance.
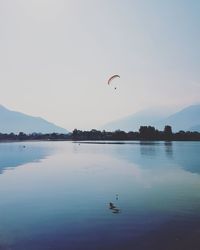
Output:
(144, 133)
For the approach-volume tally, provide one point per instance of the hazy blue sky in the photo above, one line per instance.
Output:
(56, 57)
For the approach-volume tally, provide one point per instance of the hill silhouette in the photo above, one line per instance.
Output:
(15, 122)
(187, 119)
(134, 121)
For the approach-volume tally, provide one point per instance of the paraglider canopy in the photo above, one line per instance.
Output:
(112, 77)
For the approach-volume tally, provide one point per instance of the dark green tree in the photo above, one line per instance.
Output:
(168, 132)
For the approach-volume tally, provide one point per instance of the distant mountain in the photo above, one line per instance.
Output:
(12, 121)
(134, 121)
(195, 128)
(188, 119)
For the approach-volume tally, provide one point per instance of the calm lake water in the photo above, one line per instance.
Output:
(55, 195)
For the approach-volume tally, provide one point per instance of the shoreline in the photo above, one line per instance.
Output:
(96, 141)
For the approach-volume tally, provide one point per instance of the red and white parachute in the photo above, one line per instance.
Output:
(111, 78)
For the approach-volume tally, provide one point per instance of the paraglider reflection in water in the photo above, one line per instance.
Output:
(112, 206)
(111, 79)
(114, 209)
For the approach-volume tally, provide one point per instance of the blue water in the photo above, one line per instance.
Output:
(55, 195)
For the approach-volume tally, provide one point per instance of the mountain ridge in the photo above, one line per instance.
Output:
(15, 122)
(186, 119)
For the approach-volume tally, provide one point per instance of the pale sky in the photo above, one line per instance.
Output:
(56, 57)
